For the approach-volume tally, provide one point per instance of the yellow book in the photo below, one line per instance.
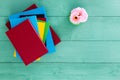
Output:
(14, 54)
(41, 28)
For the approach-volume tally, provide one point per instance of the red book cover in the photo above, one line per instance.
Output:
(33, 6)
(27, 42)
(55, 37)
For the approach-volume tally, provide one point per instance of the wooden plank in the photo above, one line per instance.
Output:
(59, 71)
(14, 6)
(97, 28)
(72, 51)
(93, 7)
(63, 7)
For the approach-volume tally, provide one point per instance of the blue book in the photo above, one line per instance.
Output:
(34, 12)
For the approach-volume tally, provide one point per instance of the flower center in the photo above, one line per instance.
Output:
(76, 17)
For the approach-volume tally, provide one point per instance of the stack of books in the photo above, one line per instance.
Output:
(31, 34)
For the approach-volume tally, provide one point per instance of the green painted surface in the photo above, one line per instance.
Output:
(89, 51)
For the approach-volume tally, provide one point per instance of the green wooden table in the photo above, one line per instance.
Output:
(90, 51)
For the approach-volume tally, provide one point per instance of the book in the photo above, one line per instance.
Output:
(34, 12)
(16, 21)
(41, 28)
(27, 42)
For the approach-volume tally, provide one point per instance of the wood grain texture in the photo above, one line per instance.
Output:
(89, 51)
(8, 8)
(63, 7)
(72, 51)
(60, 71)
(93, 7)
(97, 28)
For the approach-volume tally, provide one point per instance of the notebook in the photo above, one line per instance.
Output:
(17, 21)
(41, 28)
(34, 12)
(27, 42)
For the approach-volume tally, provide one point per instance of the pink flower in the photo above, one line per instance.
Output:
(78, 15)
